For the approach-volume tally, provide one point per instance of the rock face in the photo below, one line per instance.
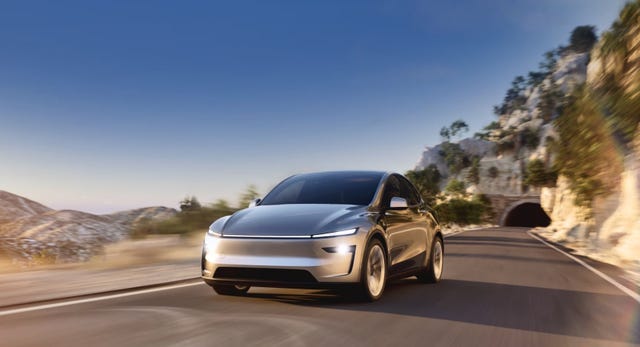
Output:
(32, 232)
(475, 147)
(502, 167)
(611, 232)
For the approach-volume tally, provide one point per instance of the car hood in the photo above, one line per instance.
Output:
(292, 220)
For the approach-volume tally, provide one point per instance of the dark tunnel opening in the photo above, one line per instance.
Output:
(527, 215)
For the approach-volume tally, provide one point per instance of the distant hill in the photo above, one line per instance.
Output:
(14, 206)
(30, 231)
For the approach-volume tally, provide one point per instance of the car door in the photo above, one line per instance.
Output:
(403, 227)
(420, 227)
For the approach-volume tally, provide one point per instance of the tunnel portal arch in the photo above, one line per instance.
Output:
(525, 213)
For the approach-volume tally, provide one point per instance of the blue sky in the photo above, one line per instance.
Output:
(120, 104)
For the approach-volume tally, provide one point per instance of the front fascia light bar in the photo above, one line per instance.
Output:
(214, 233)
(336, 233)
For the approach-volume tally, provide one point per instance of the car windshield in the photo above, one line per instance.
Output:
(351, 188)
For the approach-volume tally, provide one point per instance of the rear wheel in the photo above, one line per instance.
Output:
(433, 272)
(230, 289)
(373, 275)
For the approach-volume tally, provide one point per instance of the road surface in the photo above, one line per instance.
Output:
(501, 288)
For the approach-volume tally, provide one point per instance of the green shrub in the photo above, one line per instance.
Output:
(190, 203)
(537, 175)
(455, 187)
(486, 132)
(473, 176)
(529, 138)
(464, 212)
(587, 153)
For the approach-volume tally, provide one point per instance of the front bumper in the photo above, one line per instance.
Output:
(283, 262)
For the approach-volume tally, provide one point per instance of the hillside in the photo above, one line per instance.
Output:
(14, 206)
(32, 232)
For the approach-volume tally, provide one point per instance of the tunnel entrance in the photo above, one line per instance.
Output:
(528, 214)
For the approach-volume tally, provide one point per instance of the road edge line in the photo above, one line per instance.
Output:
(97, 297)
(634, 295)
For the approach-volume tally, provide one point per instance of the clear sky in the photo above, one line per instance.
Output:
(109, 105)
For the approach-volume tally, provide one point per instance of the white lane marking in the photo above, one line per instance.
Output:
(604, 276)
(98, 298)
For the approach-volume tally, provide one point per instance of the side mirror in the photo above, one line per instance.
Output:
(398, 203)
(254, 202)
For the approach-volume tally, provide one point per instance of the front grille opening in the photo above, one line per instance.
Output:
(264, 274)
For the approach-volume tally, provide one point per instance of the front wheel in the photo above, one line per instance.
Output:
(373, 275)
(433, 272)
(230, 289)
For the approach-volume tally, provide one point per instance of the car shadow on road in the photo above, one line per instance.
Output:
(547, 310)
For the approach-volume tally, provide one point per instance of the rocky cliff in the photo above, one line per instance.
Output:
(609, 229)
(519, 135)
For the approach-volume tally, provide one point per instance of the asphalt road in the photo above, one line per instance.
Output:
(501, 288)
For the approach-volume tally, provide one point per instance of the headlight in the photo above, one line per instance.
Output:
(336, 233)
(211, 238)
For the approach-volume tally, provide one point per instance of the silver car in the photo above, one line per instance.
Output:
(345, 229)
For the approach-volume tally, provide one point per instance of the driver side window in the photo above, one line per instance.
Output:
(391, 189)
(409, 193)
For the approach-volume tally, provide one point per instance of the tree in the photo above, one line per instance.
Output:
(250, 194)
(583, 38)
(427, 181)
(535, 78)
(190, 203)
(221, 205)
(454, 157)
(549, 63)
(456, 128)
(445, 134)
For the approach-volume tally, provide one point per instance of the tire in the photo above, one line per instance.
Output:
(230, 289)
(373, 274)
(433, 272)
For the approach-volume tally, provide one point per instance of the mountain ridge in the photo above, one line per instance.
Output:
(30, 230)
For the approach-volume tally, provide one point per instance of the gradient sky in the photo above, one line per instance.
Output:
(109, 105)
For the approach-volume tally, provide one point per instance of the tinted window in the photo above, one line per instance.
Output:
(351, 188)
(408, 192)
(391, 189)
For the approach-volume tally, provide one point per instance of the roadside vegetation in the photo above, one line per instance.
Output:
(193, 216)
